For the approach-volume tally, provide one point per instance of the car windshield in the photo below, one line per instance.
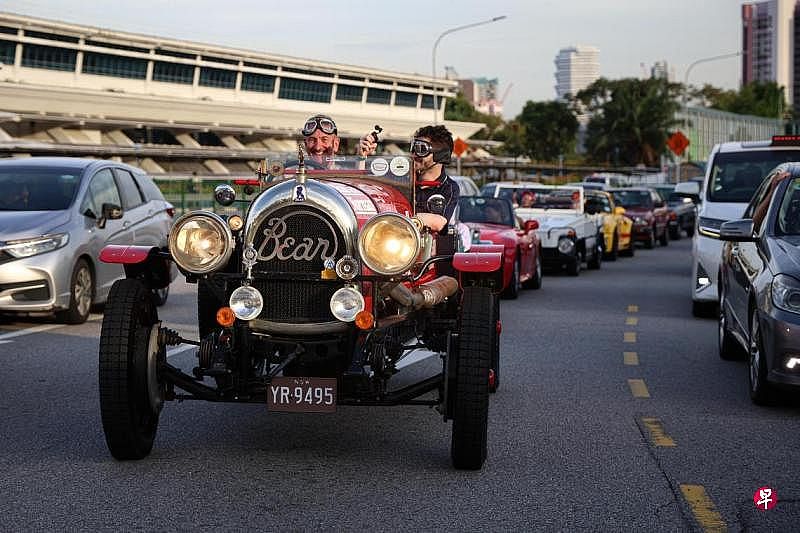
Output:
(736, 176)
(485, 210)
(788, 222)
(633, 198)
(395, 171)
(25, 188)
(541, 197)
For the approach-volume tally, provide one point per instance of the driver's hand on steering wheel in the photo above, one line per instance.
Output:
(434, 222)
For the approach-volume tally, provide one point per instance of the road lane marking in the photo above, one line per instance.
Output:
(39, 329)
(630, 358)
(633, 308)
(638, 388)
(703, 508)
(658, 436)
(629, 337)
(631, 321)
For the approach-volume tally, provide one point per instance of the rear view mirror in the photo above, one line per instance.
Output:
(737, 231)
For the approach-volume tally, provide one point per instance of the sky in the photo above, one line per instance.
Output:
(399, 35)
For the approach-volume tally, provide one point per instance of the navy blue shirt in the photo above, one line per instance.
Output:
(445, 186)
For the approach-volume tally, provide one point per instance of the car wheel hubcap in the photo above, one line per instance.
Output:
(83, 291)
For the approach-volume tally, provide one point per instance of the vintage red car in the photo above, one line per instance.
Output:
(308, 302)
(649, 213)
(492, 221)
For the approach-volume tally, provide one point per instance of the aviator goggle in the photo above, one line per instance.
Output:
(420, 148)
(325, 124)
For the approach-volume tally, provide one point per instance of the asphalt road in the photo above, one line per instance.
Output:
(615, 414)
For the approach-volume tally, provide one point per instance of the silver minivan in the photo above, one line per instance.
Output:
(733, 173)
(56, 215)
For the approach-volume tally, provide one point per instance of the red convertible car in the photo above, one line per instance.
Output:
(492, 221)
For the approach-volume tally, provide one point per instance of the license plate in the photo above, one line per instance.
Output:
(302, 395)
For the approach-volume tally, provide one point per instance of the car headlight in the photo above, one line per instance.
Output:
(639, 221)
(346, 303)
(246, 302)
(566, 245)
(27, 247)
(389, 243)
(200, 242)
(786, 293)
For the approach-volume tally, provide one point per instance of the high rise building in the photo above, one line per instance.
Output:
(482, 93)
(577, 67)
(768, 37)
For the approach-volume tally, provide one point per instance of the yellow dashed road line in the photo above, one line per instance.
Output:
(631, 321)
(630, 358)
(633, 308)
(658, 436)
(629, 336)
(638, 388)
(703, 508)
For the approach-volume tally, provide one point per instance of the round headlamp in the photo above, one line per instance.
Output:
(346, 303)
(389, 243)
(200, 242)
(347, 267)
(246, 302)
(566, 245)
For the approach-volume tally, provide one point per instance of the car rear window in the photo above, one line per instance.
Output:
(37, 189)
(735, 176)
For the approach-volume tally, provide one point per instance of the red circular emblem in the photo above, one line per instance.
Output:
(765, 498)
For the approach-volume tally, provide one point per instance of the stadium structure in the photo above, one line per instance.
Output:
(177, 107)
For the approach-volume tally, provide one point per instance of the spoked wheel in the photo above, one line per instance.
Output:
(81, 295)
(471, 401)
(761, 392)
(130, 393)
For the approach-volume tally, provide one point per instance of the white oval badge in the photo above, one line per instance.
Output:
(379, 166)
(400, 166)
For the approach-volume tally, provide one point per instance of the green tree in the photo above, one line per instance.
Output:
(763, 99)
(461, 109)
(549, 129)
(512, 135)
(631, 119)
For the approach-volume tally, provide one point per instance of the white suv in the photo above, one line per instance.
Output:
(734, 171)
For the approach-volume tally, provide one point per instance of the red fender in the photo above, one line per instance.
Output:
(478, 262)
(125, 254)
(483, 248)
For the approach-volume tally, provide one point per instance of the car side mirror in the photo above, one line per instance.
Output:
(531, 225)
(436, 204)
(619, 210)
(110, 212)
(691, 196)
(737, 231)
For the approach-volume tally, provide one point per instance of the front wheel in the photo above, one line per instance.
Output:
(611, 255)
(664, 239)
(761, 391)
(81, 294)
(471, 402)
(536, 280)
(130, 394)
(728, 347)
(597, 258)
(512, 291)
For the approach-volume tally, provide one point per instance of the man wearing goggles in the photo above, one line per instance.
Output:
(431, 150)
(321, 138)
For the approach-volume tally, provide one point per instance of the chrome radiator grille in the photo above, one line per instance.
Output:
(296, 239)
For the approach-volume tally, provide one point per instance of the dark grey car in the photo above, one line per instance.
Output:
(56, 214)
(760, 285)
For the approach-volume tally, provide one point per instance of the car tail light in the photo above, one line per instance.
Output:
(673, 216)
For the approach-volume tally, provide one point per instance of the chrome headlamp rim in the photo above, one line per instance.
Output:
(362, 252)
(219, 224)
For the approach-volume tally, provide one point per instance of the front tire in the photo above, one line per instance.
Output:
(512, 291)
(536, 280)
(471, 405)
(612, 254)
(597, 258)
(664, 239)
(761, 391)
(81, 295)
(728, 347)
(130, 395)
(495, 385)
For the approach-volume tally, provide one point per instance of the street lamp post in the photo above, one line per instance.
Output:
(684, 102)
(436, 45)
